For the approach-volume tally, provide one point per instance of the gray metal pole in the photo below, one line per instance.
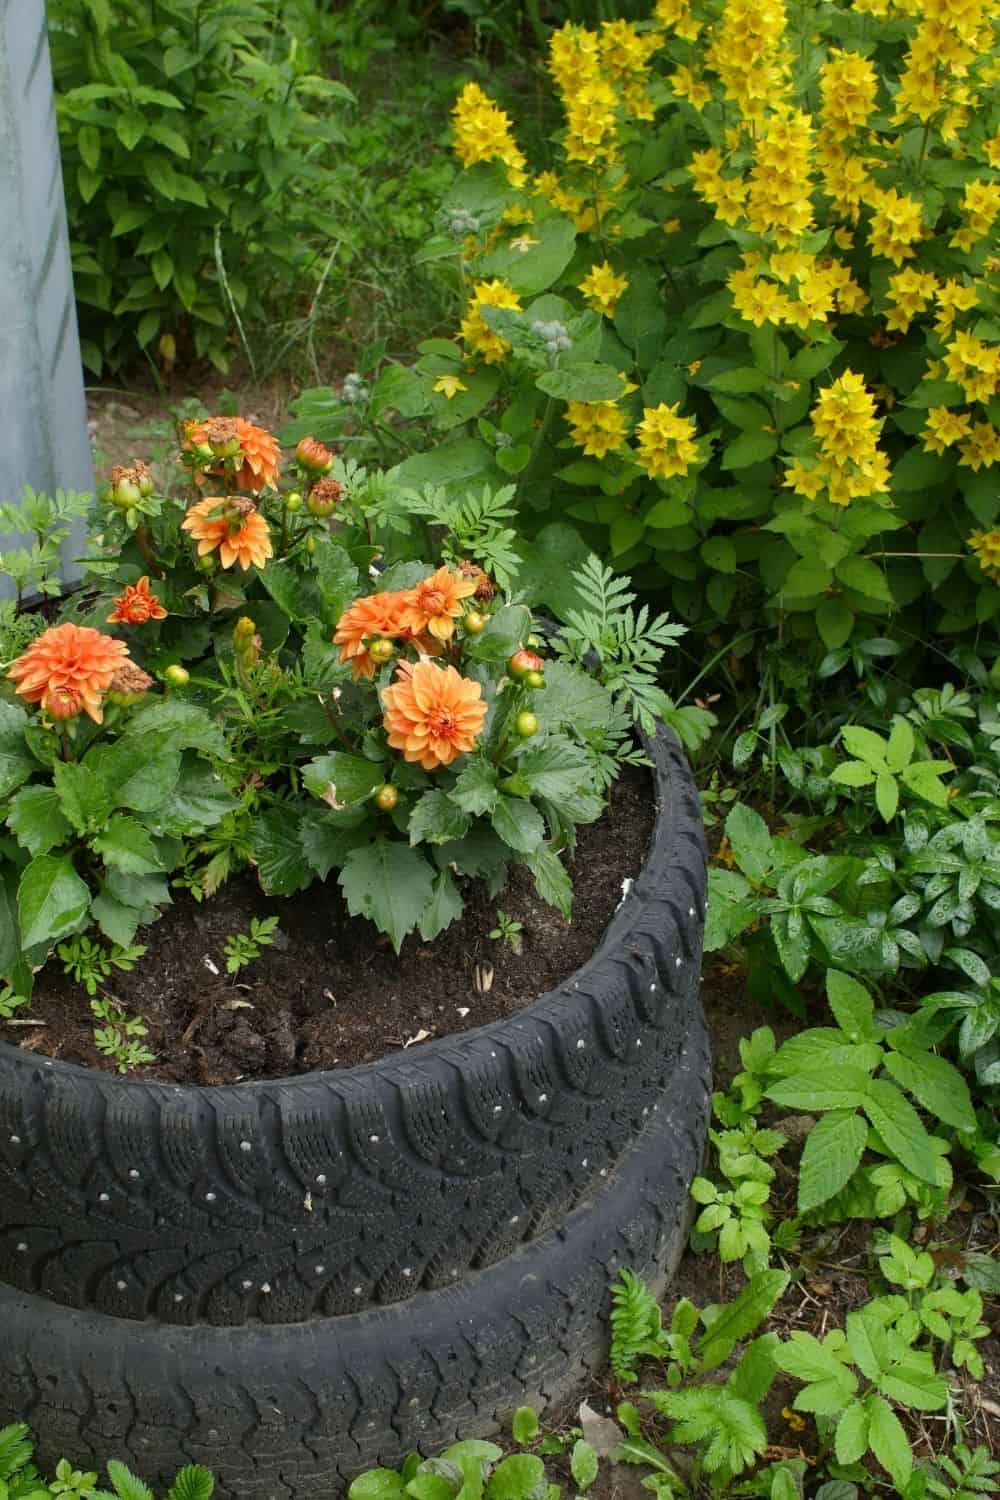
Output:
(44, 441)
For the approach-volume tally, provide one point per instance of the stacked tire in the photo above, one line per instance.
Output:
(292, 1281)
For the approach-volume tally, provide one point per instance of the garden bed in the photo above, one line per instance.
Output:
(330, 992)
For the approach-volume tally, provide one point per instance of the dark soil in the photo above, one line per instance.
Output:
(331, 992)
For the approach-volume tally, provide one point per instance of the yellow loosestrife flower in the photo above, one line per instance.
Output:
(476, 332)
(986, 546)
(482, 133)
(598, 427)
(981, 449)
(849, 463)
(667, 446)
(602, 288)
(944, 427)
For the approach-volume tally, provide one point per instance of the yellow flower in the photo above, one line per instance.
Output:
(482, 133)
(667, 446)
(803, 481)
(449, 385)
(981, 449)
(848, 85)
(896, 225)
(944, 427)
(476, 331)
(602, 288)
(986, 546)
(973, 365)
(598, 427)
(675, 15)
(689, 85)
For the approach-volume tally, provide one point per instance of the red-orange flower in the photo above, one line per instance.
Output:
(367, 619)
(234, 526)
(433, 714)
(314, 456)
(66, 665)
(234, 437)
(136, 605)
(435, 603)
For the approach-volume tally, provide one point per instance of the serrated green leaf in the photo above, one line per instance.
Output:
(851, 1437)
(851, 1004)
(741, 1317)
(901, 1129)
(52, 900)
(936, 1085)
(519, 824)
(127, 845)
(888, 1440)
(435, 819)
(552, 880)
(36, 819)
(340, 779)
(282, 867)
(833, 1150)
(390, 884)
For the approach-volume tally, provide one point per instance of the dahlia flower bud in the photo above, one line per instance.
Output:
(61, 703)
(523, 662)
(323, 497)
(176, 675)
(485, 589)
(312, 456)
(130, 485)
(129, 685)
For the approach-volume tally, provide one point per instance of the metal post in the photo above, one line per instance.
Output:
(44, 441)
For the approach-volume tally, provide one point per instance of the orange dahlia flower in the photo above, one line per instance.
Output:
(435, 603)
(234, 437)
(433, 714)
(234, 526)
(69, 665)
(136, 605)
(368, 618)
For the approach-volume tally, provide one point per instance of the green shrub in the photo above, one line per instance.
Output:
(198, 153)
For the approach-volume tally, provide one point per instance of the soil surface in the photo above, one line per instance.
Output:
(330, 992)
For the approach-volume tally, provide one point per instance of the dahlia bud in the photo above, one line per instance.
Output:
(244, 628)
(129, 685)
(246, 642)
(381, 650)
(222, 436)
(386, 797)
(176, 675)
(313, 456)
(323, 497)
(125, 489)
(474, 621)
(485, 589)
(143, 477)
(207, 564)
(62, 703)
(534, 679)
(534, 643)
(526, 724)
(523, 662)
(293, 501)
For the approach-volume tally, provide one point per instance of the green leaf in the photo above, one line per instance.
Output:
(835, 622)
(900, 1128)
(118, 922)
(126, 845)
(866, 745)
(525, 1426)
(852, 773)
(336, 576)
(888, 1440)
(199, 801)
(445, 906)
(14, 968)
(851, 1004)
(377, 1484)
(865, 577)
(141, 774)
(295, 595)
(937, 1086)
(519, 824)
(739, 382)
(556, 768)
(582, 382)
(515, 1477)
(886, 795)
(16, 764)
(36, 820)
(847, 1089)
(751, 447)
(751, 842)
(552, 880)
(532, 267)
(475, 791)
(833, 1149)
(85, 800)
(341, 779)
(505, 632)
(582, 1464)
(851, 1438)
(899, 751)
(52, 900)
(275, 840)
(741, 1316)
(389, 883)
(435, 819)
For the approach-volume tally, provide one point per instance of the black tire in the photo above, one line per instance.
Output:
(321, 1195)
(281, 1413)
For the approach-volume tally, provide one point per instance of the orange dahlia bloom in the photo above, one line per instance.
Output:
(433, 714)
(234, 526)
(256, 448)
(69, 665)
(365, 620)
(136, 605)
(435, 603)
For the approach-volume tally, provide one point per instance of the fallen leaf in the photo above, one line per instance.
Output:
(600, 1432)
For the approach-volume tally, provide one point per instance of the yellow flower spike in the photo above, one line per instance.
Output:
(476, 332)
(449, 386)
(986, 546)
(667, 446)
(602, 288)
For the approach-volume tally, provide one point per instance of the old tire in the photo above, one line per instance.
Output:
(281, 1413)
(317, 1196)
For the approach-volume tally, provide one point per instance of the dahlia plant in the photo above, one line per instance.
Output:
(263, 672)
(743, 332)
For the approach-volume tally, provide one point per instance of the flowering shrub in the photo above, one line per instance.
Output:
(745, 333)
(265, 673)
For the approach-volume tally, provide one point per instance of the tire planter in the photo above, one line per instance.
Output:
(204, 1273)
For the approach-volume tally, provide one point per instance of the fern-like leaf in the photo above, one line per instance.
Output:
(636, 1328)
(126, 1484)
(15, 1449)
